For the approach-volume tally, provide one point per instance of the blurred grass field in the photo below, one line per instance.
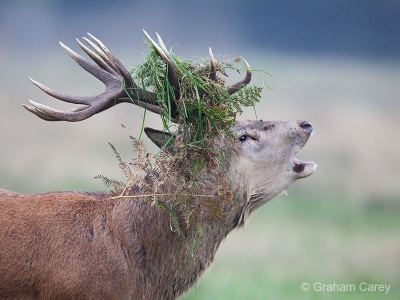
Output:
(295, 240)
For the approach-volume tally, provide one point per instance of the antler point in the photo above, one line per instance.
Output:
(66, 48)
(148, 36)
(79, 42)
(162, 45)
(247, 64)
(34, 81)
(29, 108)
(32, 102)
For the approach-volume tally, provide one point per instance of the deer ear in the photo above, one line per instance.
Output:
(163, 139)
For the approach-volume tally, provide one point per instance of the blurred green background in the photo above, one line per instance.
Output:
(335, 64)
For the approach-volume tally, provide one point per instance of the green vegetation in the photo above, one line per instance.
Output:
(290, 241)
(204, 107)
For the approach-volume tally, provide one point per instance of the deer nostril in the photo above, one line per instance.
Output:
(307, 127)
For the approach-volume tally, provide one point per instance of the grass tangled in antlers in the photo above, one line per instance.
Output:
(206, 111)
(205, 108)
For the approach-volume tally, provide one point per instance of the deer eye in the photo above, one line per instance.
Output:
(243, 137)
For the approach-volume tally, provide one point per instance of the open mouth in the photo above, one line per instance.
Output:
(302, 168)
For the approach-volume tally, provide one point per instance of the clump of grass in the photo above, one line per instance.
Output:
(205, 107)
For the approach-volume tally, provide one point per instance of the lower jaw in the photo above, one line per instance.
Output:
(303, 168)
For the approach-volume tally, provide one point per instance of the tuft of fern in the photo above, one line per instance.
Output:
(117, 185)
(152, 178)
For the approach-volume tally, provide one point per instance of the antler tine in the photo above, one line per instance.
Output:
(35, 109)
(160, 51)
(39, 113)
(115, 61)
(100, 58)
(90, 67)
(50, 114)
(57, 95)
(118, 68)
(162, 45)
(237, 86)
(172, 74)
(213, 71)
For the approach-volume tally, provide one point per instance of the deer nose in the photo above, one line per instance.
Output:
(306, 126)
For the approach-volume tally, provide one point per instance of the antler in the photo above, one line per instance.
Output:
(238, 85)
(234, 87)
(120, 86)
(172, 74)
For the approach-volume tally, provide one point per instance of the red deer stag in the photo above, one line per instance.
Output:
(83, 245)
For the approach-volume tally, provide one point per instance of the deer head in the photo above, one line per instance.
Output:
(263, 165)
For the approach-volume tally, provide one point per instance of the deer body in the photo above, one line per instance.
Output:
(80, 246)
(75, 245)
